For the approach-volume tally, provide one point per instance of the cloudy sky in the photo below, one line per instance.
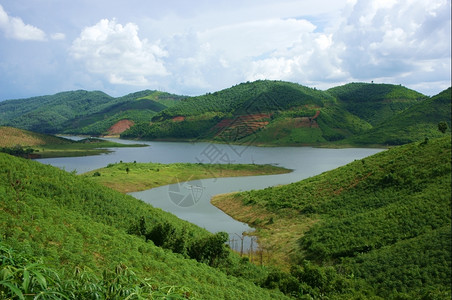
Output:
(199, 46)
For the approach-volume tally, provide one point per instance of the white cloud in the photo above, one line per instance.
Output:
(116, 52)
(58, 36)
(392, 39)
(15, 28)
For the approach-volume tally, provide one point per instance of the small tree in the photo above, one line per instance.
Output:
(442, 126)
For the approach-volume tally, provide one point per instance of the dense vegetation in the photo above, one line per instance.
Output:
(282, 113)
(262, 112)
(82, 233)
(375, 102)
(384, 220)
(82, 112)
(415, 123)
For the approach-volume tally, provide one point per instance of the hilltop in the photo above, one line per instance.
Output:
(283, 113)
(384, 221)
(82, 112)
(414, 123)
(262, 112)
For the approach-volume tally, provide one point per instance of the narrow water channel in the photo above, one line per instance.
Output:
(191, 200)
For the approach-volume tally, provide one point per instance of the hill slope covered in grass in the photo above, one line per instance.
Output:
(285, 113)
(282, 113)
(384, 220)
(263, 112)
(11, 137)
(30, 144)
(375, 102)
(94, 237)
(81, 111)
(413, 124)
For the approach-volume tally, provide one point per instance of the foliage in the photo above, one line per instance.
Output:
(75, 224)
(80, 111)
(375, 102)
(277, 113)
(18, 151)
(414, 124)
(24, 278)
(384, 220)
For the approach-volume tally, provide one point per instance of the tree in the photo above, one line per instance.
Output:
(442, 126)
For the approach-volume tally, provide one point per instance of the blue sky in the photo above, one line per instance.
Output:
(194, 47)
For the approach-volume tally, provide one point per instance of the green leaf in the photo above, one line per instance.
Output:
(13, 289)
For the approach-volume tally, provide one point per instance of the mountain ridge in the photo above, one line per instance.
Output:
(262, 112)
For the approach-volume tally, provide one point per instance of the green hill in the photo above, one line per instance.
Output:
(82, 112)
(263, 112)
(260, 112)
(61, 233)
(12, 137)
(384, 221)
(30, 144)
(413, 124)
(375, 102)
(281, 113)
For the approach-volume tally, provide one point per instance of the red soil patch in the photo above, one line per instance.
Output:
(309, 122)
(120, 127)
(241, 126)
(178, 119)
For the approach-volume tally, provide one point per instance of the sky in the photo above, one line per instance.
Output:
(200, 46)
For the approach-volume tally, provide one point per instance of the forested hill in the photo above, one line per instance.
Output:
(384, 221)
(417, 122)
(64, 237)
(261, 113)
(375, 102)
(81, 111)
(282, 113)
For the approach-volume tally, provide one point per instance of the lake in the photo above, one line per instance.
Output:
(191, 200)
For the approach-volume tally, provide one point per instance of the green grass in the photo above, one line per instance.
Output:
(70, 224)
(132, 177)
(384, 220)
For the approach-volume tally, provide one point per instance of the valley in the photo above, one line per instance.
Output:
(360, 211)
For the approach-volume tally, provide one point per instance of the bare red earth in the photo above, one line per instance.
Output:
(178, 119)
(120, 127)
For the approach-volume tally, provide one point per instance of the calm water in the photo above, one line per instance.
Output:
(191, 200)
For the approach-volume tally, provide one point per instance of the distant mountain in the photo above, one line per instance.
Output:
(82, 112)
(413, 124)
(283, 113)
(375, 102)
(262, 113)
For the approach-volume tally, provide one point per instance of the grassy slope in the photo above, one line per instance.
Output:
(385, 219)
(375, 102)
(80, 110)
(48, 113)
(137, 107)
(335, 116)
(132, 177)
(70, 221)
(46, 146)
(288, 106)
(414, 124)
(10, 137)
